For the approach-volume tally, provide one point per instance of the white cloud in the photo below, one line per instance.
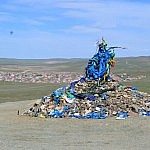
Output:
(102, 13)
(6, 17)
(83, 29)
(47, 18)
(32, 22)
(122, 13)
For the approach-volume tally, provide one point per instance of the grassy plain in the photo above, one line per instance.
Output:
(12, 91)
(21, 132)
(135, 66)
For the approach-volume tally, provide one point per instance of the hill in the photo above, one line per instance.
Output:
(127, 64)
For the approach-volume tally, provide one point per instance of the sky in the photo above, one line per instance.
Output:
(42, 29)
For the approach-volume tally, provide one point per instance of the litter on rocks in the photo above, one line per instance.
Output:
(97, 95)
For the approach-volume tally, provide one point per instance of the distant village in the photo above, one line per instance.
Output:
(55, 77)
(30, 77)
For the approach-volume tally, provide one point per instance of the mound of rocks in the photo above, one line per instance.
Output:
(91, 100)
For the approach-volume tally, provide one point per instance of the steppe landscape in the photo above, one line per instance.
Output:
(19, 132)
(74, 75)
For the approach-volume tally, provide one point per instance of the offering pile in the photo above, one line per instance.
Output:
(97, 95)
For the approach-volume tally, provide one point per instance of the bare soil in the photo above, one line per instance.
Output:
(19, 132)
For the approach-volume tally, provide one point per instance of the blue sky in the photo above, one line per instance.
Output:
(70, 28)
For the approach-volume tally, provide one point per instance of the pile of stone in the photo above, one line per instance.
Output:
(97, 95)
(91, 99)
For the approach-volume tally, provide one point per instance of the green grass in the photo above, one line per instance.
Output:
(13, 91)
(135, 65)
(142, 85)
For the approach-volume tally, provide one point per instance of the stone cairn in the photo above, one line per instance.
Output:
(97, 95)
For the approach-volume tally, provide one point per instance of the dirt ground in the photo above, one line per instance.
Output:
(25, 133)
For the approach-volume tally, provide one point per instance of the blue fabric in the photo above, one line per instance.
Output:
(66, 108)
(90, 97)
(97, 66)
(122, 114)
(57, 101)
(72, 85)
(133, 88)
(56, 114)
(96, 115)
(143, 112)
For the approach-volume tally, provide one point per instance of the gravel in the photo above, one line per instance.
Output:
(19, 132)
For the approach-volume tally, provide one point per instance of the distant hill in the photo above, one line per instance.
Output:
(125, 64)
(133, 64)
